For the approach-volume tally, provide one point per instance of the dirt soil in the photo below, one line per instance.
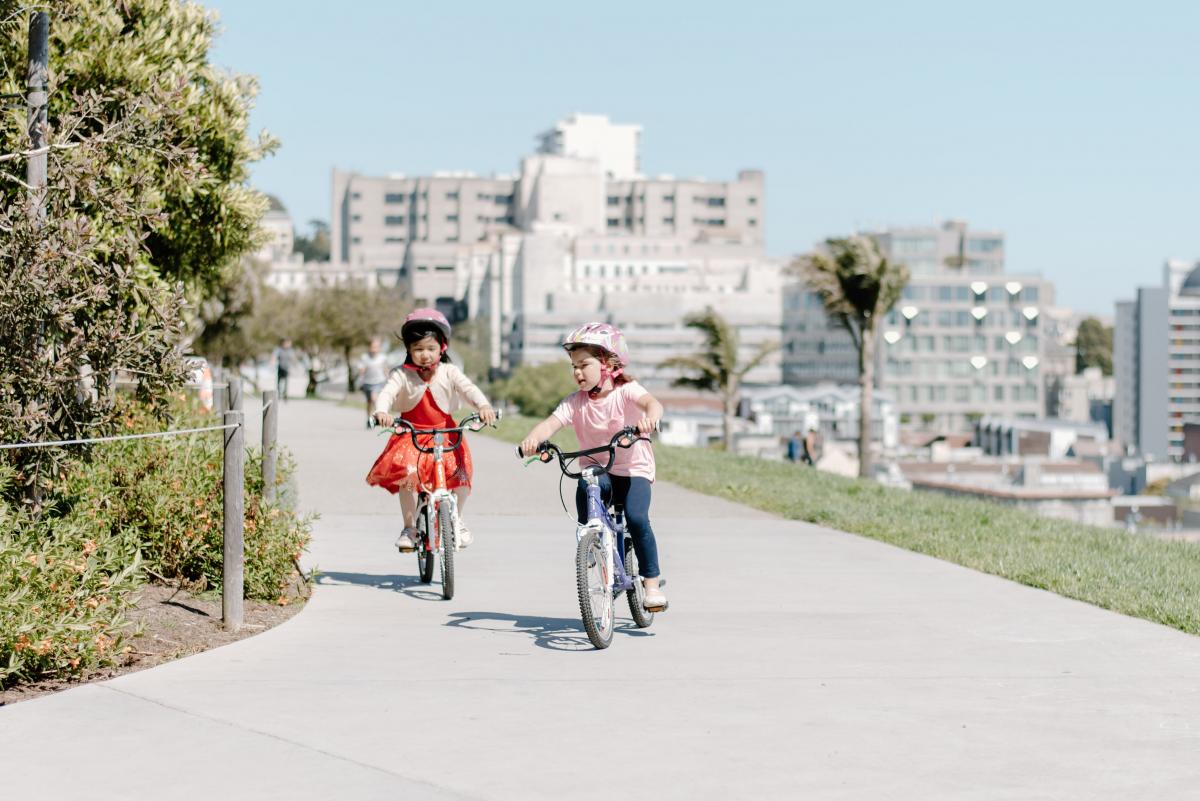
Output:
(169, 623)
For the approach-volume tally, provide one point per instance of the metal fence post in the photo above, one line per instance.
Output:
(232, 572)
(270, 427)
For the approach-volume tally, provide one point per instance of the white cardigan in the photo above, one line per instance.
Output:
(450, 387)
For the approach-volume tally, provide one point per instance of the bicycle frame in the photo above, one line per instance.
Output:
(600, 520)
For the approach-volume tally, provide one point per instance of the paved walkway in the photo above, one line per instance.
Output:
(796, 662)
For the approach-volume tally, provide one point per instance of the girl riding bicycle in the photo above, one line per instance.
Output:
(424, 390)
(607, 401)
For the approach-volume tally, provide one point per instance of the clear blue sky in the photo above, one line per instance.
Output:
(1072, 126)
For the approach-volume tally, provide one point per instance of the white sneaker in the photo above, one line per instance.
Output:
(462, 535)
(407, 541)
(655, 601)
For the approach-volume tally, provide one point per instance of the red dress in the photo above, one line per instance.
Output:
(402, 465)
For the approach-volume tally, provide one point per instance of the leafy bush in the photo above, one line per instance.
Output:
(536, 390)
(169, 491)
(138, 507)
(64, 588)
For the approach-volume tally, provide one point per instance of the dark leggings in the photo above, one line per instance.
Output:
(632, 494)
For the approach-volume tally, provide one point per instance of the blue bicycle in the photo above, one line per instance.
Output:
(599, 575)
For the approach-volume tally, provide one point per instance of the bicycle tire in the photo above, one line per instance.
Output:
(637, 595)
(446, 534)
(425, 557)
(593, 585)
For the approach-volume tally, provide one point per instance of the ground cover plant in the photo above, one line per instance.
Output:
(1134, 574)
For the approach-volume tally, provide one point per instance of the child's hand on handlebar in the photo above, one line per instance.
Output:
(529, 446)
(383, 419)
(647, 425)
(487, 415)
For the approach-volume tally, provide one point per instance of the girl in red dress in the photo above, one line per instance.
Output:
(425, 390)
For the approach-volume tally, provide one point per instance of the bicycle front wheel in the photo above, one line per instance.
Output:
(446, 533)
(595, 590)
(637, 595)
(424, 554)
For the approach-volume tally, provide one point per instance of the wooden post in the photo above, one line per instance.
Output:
(220, 392)
(234, 380)
(270, 428)
(232, 572)
(37, 79)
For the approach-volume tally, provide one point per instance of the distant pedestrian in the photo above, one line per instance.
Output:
(812, 446)
(285, 359)
(794, 447)
(372, 374)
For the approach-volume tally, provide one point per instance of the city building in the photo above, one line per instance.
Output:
(831, 409)
(1156, 362)
(1081, 397)
(1046, 438)
(1070, 490)
(966, 340)
(577, 234)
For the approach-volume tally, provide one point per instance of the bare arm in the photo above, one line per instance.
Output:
(539, 434)
(652, 412)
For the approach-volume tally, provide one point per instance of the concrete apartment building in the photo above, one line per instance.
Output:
(1156, 362)
(966, 340)
(577, 234)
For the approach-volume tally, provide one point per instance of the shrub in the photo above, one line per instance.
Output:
(65, 585)
(169, 491)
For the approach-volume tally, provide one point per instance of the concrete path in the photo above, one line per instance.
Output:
(796, 662)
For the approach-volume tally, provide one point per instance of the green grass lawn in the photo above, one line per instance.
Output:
(1136, 575)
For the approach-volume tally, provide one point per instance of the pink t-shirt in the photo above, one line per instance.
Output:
(595, 422)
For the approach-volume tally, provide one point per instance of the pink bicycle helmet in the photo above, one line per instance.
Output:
(605, 336)
(428, 317)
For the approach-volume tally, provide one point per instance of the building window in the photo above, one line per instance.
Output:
(395, 219)
(356, 217)
(752, 200)
(716, 201)
(753, 223)
(668, 220)
(614, 200)
(452, 218)
(356, 240)
(614, 222)
(452, 195)
(394, 197)
(668, 198)
(355, 195)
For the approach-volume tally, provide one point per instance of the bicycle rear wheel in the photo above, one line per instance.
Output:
(637, 595)
(595, 590)
(445, 522)
(425, 556)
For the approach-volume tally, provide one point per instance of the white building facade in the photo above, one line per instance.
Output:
(578, 234)
(965, 340)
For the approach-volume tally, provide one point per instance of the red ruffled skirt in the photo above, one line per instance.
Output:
(402, 465)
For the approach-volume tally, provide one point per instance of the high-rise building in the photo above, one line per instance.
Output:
(1156, 361)
(579, 233)
(966, 340)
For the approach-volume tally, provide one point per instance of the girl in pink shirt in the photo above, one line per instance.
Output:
(607, 401)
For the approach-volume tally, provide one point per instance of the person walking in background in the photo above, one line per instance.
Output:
(794, 447)
(285, 358)
(812, 446)
(372, 374)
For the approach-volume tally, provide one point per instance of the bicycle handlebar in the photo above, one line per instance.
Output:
(627, 437)
(466, 424)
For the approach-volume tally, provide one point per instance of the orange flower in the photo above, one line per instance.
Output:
(74, 662)
(31, 559)
(43, 647)
(89, 547)
(282, 600)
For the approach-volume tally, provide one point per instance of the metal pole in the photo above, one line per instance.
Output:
(235, 390)
(232, 573)
(38, 76)
(270, 427)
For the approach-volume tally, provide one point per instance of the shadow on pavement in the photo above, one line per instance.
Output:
(555, 633)
(407, 585)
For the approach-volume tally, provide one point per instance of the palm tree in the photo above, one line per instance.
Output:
(715, 367)
(857, 285)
